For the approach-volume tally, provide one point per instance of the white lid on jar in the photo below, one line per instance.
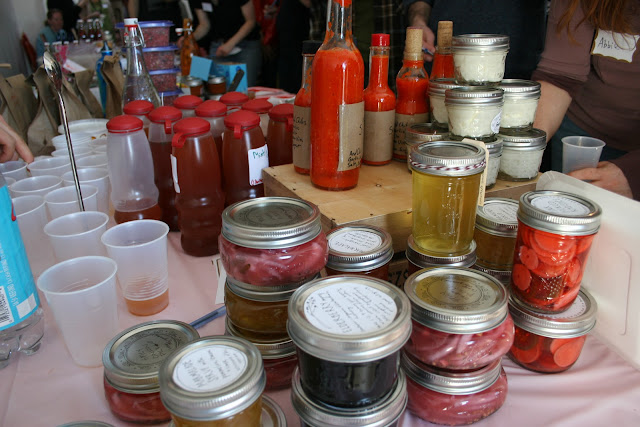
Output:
(480, 42)
(532, 139)
(520, 89)
(355, 248)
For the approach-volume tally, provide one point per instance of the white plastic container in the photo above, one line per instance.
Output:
(520, 103)
(479, 59)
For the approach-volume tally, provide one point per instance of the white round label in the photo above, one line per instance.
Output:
(505, 213)
(355, 242)
(210, 368)
(349, 309)
(577, 309)
(495, 123)
(558, 205)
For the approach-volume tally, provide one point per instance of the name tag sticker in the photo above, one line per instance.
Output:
(615, 45)
(207, 7)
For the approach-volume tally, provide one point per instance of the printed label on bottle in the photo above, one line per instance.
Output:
(302, 137)
(402, 122)
(615, 45)
(18, 295)
(558, 205)
(349, 309)
(457, 292)
(210, 368)
(258, 160)
(378, 135)
(577, 309)
(351, 133)
(505, 213)
(355, 242)
(495, 123)
(174, 173)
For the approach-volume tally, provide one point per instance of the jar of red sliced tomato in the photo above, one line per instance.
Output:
(417, 259)
(272, 241)
(546, 342)
(460, 318)
(555, 232)
(453, 398)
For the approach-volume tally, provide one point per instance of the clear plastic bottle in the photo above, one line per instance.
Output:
(137, 82)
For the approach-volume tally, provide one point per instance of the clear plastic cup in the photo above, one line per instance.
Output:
(77, 139)
(77, 234)
(78, 152)
(140, 249)
(100, 149)
(50, 166)
(35, 186)
(32, 217)
(9, 180)
(64, 200)
(99, 143)
(81, 293)
(16, 169)
(579, 152)
(94, 176)
(92, 161)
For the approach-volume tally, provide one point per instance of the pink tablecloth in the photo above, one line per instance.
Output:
(48, 389)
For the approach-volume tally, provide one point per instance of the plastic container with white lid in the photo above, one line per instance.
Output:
(521, 154)
(479, 59)
(520, 103)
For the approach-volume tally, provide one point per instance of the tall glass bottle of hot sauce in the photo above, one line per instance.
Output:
(442, 67)
(337, 113)
(379, 105)
(412, 84)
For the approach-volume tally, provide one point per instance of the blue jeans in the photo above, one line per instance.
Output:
(251, 55)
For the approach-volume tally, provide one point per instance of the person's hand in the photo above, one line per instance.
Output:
(428, 42)
(417, 17)
(224, 49)
(606, 175)
(12, 146)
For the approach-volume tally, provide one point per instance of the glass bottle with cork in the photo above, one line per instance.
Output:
(137, 82)
(442, 67)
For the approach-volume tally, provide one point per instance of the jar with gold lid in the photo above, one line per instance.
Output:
(495, 233)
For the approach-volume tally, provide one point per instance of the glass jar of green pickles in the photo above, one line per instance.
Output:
(446, 186)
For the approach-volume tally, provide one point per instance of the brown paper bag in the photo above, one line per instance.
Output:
(114, 78)
(18, 105)
(75, 108)
(82, 82)
(46, 96)
(40, 133)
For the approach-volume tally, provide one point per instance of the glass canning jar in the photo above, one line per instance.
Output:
(421, 132)
(272, 241)
(131, 363)
(555, 232)
(474, 112)
(272, 414)
(446, 185)
(494, 148)
(521, 154)
(479, 59)
(439, 115)
(503, 276)
(520, 103)
(359, 249)
(460, 318)
(348, 331)
(495, 233)
(551, 343)
(454, 398)
(417, 260)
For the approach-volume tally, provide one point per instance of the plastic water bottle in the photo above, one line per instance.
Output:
(21, 322)
(102, 84)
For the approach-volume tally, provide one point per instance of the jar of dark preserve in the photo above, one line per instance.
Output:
(551, 342)
(214, 112)
(187, 104)
(359, 249)
(131, 362)
(417, 259)
(234, 100)
(272, 241)
(348, 331)
(460, 318)
(261, 107)
(280, 135)
(495, 233)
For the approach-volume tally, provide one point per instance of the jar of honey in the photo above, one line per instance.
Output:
(495, 233)
(417, 260)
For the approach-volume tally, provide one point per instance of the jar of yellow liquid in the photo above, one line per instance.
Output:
(446, 186)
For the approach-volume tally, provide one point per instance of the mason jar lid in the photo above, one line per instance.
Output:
(216, 79)
(269, 349)
(479, 42)
(354, 248)
(132, 358)
(419, 258)
(503, 276)
(380, 414)
(559, 212)
(451, 382)
(423, 132)
(474, 95)
(532, 139)
(456, 300)
(272, 413)
(349, 319)
(520, 89)
(261, 293)
(575, 321)
(494, 147)
(498, 216)
(191, 81)
(271, 222)
(447, 158)
(439, 86)
(188, 390)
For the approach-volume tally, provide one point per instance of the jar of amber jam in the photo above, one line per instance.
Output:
(417, 260)
(131, 362)
(495, 233)
(546, 342)
(359, 249)
(214, 381)
(555, 231)
(272, 241)
(386, 412)
(446, 186)
(454, 398)
(348, 331)
(460, 318)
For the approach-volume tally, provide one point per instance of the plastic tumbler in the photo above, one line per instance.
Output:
(16, 169)
(77, 234)
(50, 166)
(81, 293)
(579, 152)
(140, 249)
(35, 186)
(32, 217)
(93, 161)
(64, 200)
(78, 152)
(98, 177)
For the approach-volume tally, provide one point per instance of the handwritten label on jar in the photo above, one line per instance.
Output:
(355, 242)
(452, 292)
(503, 213)
(577, 309)
(351, 134)
(402, 122)
(302, 136)
(174, 173)
(559, 206)
(258, 160)
(378, 135)
(615, 45)
(273, 215)
(210, 368)
(349, 309)
(145, 351)
(495, 123)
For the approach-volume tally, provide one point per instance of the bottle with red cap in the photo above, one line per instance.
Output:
(379, 105)
(214, 112)
(196, 177)
(134, 195)
(234, 100)
(187, 105)
(244, 147)
(160, 134)
(280, 135)
(140, 109)
(261, 107)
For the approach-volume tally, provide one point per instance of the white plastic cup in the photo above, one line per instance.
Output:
(93, 161)
(77, 139)
(140, 249)
(32, 217)
(580, 152)
(81, 293)
(98, 177)
(16, 169)
(9, 180)
(78, 152)
(56, 166)
(77, 234)
(35, 186)
(100, 149)
(99, 143)
(64, 200)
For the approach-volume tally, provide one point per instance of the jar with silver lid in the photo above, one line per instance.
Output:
(359, 249)
(417, 259)
(460, 318)
(216, 87)
(551, 343)
(495, 233)
(522, 154)
(474, 112)
(213, 379)
(439, 115)
(195, 85)
(349, 331)
(520, 103)
(419, 133)
(272, 413)
(479, 59)
(384, 413)
(272, 241)
(454, 398)
(555, 232)
(131, 363)
(494, 148)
